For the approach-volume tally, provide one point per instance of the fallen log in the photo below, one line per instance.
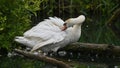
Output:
(93, 48)
(104, 49)
(50, 60)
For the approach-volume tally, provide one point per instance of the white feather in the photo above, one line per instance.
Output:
(48, 36)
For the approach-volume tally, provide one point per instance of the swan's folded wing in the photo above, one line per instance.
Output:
(53, 40)
(51, 25)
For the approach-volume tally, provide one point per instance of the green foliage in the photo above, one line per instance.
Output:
(18, 62)
(15, 18)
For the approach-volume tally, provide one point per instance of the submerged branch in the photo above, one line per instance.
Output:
(53, 61)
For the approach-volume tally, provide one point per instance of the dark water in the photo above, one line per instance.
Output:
(86, 60)
(76, 60)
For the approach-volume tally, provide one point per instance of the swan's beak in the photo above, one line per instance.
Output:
(64, 27)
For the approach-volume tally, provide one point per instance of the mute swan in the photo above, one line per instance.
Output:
(52, 34)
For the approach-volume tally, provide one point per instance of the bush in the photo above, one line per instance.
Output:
(15, 18)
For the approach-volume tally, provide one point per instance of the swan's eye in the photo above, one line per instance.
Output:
(65, 24)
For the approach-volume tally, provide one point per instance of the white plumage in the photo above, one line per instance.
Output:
(49, 36)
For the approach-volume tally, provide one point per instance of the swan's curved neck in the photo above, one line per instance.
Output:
(77, 27)
(76, 32)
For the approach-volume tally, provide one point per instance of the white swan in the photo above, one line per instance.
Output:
(52, 34)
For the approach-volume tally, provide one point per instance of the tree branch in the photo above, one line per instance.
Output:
(53, 61)
(112, 20)
(115, 16)
(93, 48)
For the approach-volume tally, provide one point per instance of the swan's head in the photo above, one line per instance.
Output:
(73, 21)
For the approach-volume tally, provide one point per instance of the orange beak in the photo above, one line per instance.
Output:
(64, 27)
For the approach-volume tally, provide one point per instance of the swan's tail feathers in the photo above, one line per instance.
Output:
(23, 41)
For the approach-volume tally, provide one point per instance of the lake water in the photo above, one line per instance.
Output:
(76, 60)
